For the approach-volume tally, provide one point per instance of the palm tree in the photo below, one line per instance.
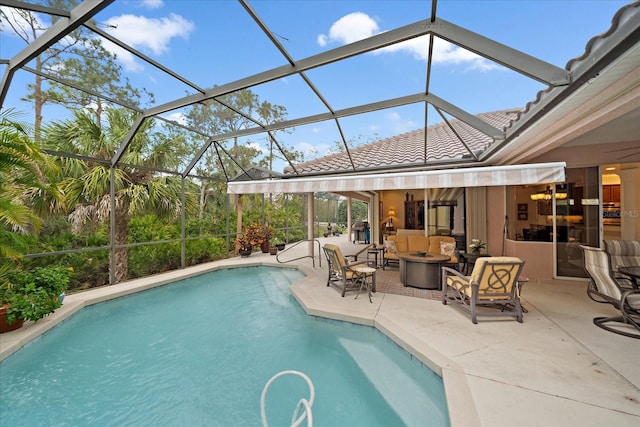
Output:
(23, 169)
(86, 183)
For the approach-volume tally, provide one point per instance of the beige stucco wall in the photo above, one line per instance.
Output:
(538, 256)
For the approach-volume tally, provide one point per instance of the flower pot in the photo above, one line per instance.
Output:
(6, 327)
(264, 247)
(245, 252)
(280, 246)
(61, 297)
(273, 251)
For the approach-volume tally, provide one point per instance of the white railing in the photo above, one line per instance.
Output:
(303, 405)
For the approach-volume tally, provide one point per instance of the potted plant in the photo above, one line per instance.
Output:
(265, 235)
(54, 279)
(32, 295)
(244, 245)
(7, 293)
(476, 246)
(279, 245)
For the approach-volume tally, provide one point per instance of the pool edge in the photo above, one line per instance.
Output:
(457, 391)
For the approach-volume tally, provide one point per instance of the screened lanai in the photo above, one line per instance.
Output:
(177, 100)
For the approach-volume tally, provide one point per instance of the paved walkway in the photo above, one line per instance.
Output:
(555, 369)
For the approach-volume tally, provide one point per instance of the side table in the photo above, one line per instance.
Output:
(469, 260)
(378, 257)
(364, 273)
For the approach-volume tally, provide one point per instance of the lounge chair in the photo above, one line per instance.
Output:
(494, 285)
(341, 270)
(604, 288)
(623, 253)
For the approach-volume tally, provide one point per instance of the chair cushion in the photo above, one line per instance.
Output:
(623, 253)
(418, 243)
(434, 243)
(460, 284)
(400, 242)
(390, 247)
(447, 248)
(487, 282)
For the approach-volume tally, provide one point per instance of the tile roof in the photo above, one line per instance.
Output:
(408, 149)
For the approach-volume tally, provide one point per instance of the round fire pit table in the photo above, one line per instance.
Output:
(421, 271)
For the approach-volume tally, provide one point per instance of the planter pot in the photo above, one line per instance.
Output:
(273, 251)
(265, 246)
(245, 252)
(61, 297)
(6, 327)
(280, 246)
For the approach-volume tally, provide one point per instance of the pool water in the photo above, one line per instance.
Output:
(199, 352)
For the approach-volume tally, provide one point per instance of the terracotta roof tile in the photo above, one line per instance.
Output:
(409, 148)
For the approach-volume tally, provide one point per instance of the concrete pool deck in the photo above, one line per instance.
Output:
(555, 369)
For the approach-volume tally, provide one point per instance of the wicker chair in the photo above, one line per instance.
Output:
(494, 284)
(604, 288)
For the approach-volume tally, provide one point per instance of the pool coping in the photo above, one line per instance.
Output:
(458, 394)
(311, 293)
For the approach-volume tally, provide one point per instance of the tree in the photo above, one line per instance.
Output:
(359, 211)
(23, 169)
(86, 183)
(214, 118)
(78, 58)
(93, 67)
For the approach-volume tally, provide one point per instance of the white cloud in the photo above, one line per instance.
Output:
(152, 4)
(149, 34)
(350, 28)
(125, 57)
(176, 117)
(399, 124)
(17, 19)
(310, 151)
(357, 26)
(257, 146)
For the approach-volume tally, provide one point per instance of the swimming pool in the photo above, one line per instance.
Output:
(199, 352)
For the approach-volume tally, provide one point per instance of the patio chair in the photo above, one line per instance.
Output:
(341, 269)
(604, 288)
(493, 287)
(623, 253)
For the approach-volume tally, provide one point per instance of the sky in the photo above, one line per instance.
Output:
(215, 42)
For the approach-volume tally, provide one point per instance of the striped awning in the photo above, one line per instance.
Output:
(449, 178)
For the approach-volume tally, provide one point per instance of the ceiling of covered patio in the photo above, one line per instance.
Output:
(563, 104)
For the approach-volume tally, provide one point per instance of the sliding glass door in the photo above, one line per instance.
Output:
(577, 218)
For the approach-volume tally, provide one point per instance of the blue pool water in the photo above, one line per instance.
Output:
(198, 352)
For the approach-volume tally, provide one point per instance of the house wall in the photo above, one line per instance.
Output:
(538, 256)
